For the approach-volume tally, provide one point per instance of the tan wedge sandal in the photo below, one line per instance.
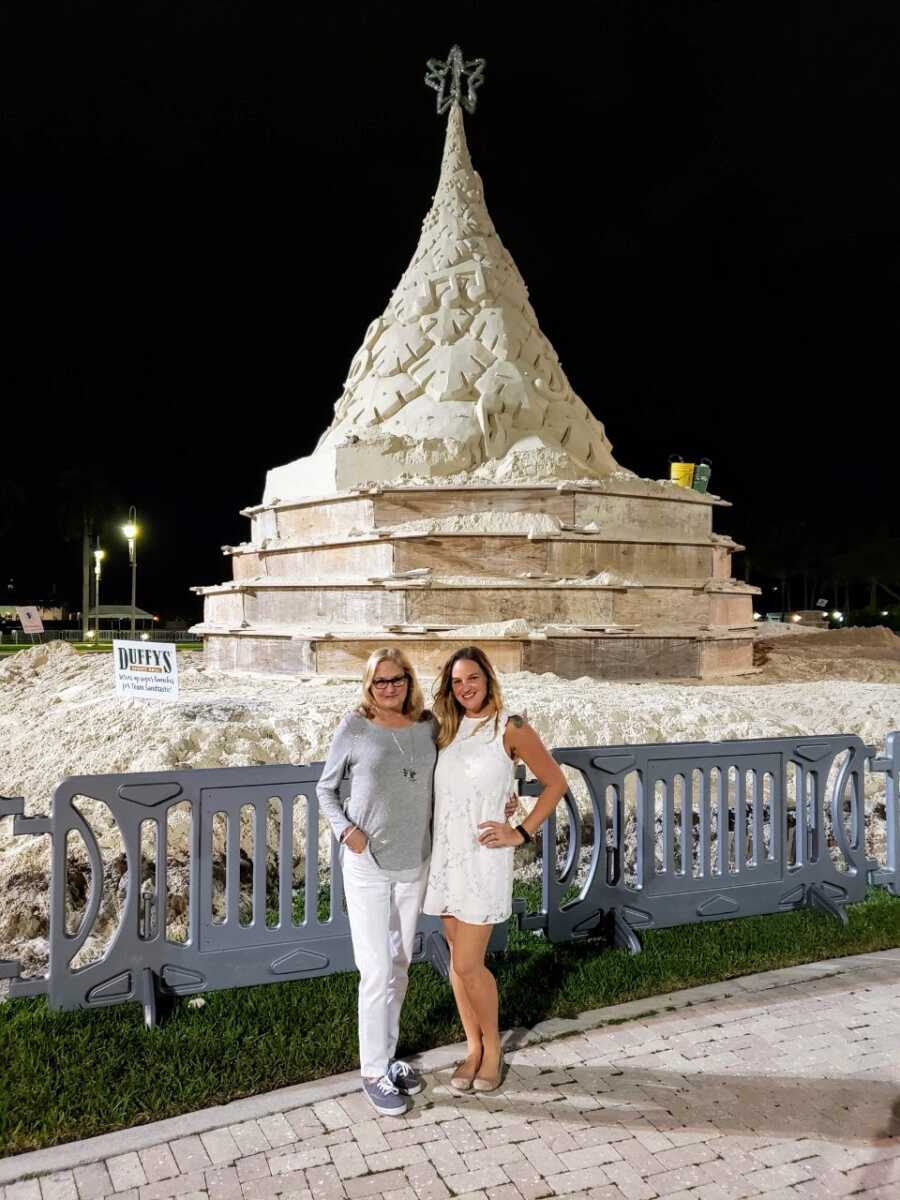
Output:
(490, 1084)
(460, 1082)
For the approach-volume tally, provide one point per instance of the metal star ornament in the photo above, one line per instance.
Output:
(446, 79)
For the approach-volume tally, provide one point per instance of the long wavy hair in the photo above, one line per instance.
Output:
(448, 709)
(413, 705)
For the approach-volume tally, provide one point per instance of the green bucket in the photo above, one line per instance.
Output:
(702, 472)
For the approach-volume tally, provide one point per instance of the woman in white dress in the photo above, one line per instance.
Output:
(470, 878)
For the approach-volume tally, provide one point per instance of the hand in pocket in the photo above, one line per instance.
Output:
(356, 841)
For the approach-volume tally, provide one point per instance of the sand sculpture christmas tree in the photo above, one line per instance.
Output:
(463, 491)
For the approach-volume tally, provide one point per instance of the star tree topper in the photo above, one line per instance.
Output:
(446, 79)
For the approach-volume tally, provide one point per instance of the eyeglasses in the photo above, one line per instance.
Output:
(394, 681)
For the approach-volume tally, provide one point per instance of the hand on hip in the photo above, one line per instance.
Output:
(497, 835)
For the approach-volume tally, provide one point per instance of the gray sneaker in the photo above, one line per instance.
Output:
(384, 1097)
(406, 1079)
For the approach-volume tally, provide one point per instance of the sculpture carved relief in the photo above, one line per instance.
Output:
(458, 357)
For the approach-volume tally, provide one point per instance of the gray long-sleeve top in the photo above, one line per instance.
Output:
(391, 787)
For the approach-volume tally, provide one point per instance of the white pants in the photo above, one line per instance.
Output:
(383, 916)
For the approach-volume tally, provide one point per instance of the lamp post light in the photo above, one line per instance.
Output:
(131, 531)
(99, 556)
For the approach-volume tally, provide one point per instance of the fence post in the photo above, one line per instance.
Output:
(888, 875)
(14, 806)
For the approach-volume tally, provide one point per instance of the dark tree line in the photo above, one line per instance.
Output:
(850, 574)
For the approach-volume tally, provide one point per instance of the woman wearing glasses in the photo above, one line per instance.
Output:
(388, 744)
(470, 881)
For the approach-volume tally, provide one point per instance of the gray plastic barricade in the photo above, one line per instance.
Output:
(700, 831)
(253, 924)
(210, 879)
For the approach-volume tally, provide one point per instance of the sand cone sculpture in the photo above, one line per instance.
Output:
(456, 372)
(463, 492)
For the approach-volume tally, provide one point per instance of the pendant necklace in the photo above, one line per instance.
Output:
(408, 772)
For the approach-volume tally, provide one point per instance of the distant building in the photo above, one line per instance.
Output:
(808, 616)
(47, 612)
(118, 616)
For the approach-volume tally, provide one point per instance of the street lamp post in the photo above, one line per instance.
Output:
(131, 531)
(85, 580)
(99, 555)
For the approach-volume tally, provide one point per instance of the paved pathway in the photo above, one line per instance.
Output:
(783, 1085)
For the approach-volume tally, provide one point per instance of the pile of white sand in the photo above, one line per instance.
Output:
(870, 654)
(536, 466)
(59, 717)
(483, 522)
(774, 629)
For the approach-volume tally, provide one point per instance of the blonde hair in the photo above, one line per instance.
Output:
(413, 705)
(448, 709)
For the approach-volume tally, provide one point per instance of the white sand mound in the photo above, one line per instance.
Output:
(523, 465)
(854, 653)
(767, 630)
(59, 717)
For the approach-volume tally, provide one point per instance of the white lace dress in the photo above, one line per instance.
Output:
(472, 780)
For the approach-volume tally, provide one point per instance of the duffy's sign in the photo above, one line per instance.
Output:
(144, 670)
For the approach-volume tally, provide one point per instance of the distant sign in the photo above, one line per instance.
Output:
(821, 604)
(146, 670)
(31, 620)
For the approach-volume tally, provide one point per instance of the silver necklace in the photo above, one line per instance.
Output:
(408, 772)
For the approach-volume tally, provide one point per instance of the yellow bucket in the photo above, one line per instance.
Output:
(681, 473)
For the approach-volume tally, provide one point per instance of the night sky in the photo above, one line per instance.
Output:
(203, 205)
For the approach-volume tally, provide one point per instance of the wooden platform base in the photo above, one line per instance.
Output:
(622, 580)
(621, 656)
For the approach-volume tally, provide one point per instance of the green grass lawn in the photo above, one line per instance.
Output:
(77, 1074)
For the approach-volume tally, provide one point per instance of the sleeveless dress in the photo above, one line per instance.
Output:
(472, 780)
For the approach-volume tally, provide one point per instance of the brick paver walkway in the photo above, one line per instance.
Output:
(783, 1085)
